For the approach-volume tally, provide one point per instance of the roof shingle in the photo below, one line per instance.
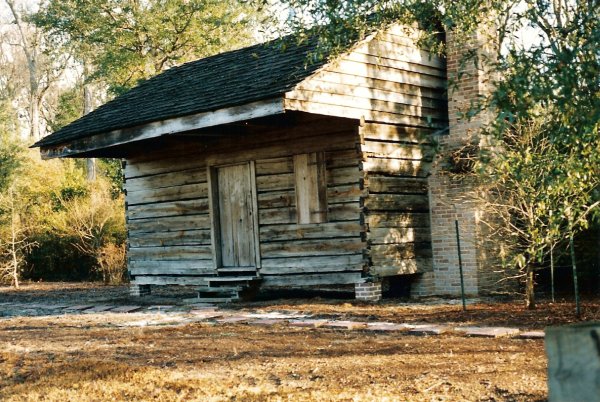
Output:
(228, 79)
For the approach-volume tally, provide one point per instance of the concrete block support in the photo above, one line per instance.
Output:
(369, 291)
(139, 290)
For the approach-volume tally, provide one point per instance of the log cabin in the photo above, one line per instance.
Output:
(261, 168)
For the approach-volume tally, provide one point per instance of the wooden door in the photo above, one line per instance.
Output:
(236, 216)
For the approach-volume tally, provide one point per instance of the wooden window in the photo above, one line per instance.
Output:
(311, 187)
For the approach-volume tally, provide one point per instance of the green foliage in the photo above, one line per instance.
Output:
(69, 109)
(128, 41)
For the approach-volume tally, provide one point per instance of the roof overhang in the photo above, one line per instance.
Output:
(91, 145)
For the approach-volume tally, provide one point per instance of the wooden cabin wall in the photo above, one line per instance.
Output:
(168, 220)
(396, 164)
(168, 211)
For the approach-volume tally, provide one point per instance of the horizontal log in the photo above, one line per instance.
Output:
(387, 104)
(133, 168)
(277, 199)
(397, 167)
(363, 55)
(179, 238)
(399, 51)
(170, 280)
(397, 202)
(394, 133)
(398, 235)
(346, 193)
(169, 224)
(310, 231)
(274, 166)
(398, 150)
(169, 179)
(164, 194)
(170, 253)
(203, 265)
(287, 215)
(401, 219)
(396, 185)
(314, 279)
(349, 80)
(303, 248)
(163, 209)
(390, 253)
(342, 158)
(309, 262)
(312, 269)
(167, 270)
(277, 182)
(366, 114)
(341, 176)
(404, 267)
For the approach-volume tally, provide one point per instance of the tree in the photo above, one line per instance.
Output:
(126, 41)
(44, 65)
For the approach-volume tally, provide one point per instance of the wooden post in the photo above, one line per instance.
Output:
(573, 362)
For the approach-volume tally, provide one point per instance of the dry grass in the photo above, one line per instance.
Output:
(80, 358)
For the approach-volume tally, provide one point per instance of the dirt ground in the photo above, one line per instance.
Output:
(81, 357)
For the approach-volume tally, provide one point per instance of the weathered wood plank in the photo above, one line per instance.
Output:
(168, 224)
(312, 262)
(133, 168)
(312, 231)
(393, 220)
(398, 150)
(398, 167)
(277, 199)
(166, 180)
(394, 133)
(363, 55)
(170, 253)
(396, 185)
(399, 51)
(369, 103)
(342, 158)
(403, 267)
(275, 182)
(397, 202)
(385, 254)
(169, 280)
(312, 269)
(336, 212)
(367, 114)
(311, 187)
(164, 209)
(204, 265)
(274, 166)
(345, 193)
(182, 192)
(167, 270)
(398, 235)
(315, 279)
(303, 248)
(381, 72)
(353, 81)
(342, 176)
(179, 238)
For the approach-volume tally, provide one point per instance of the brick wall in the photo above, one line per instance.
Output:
(454, 195)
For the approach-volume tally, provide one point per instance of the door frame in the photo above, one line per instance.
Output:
(215, 222)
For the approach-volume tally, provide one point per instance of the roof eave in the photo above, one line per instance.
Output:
(90, 145)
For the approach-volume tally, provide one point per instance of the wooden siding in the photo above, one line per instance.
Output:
(396, 162)
(386, 79)
(168, 207)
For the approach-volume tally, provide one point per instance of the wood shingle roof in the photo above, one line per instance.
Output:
(228, 79)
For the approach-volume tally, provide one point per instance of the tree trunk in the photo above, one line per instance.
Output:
(13, 240)
(87, 107)
(529, 288)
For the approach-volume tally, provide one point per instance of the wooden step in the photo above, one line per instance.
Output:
(232, 279)
(236, 269)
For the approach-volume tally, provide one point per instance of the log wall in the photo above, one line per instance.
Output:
(168, 208)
